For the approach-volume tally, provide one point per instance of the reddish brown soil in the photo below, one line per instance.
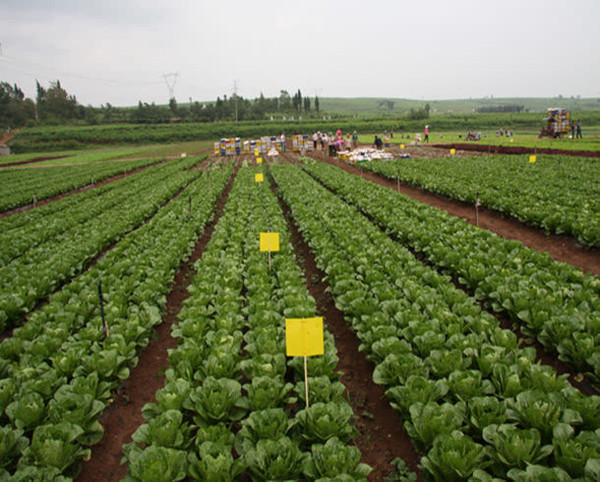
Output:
(124, 415)
(6, 136)
(516, 150)
(31, 161)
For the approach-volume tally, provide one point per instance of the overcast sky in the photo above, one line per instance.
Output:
(118, 51)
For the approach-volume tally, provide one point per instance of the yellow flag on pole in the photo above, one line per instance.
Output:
(304, 336)
(269, 241)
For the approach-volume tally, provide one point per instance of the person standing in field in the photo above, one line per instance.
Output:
(426, 139)
(348, 142)
(572, 125)
(579, 136)
(315, 138)
(355, 140)
(283, 142)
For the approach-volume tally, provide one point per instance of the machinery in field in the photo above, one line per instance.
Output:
(558, 123)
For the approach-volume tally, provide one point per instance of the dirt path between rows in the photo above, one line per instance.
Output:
(500, 149)
(560, 248)
(124, 415)
(381, 435)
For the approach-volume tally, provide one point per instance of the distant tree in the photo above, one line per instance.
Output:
(285, 101)
(15, 110)
(297, 101)
(56, 104)
(307, 104)
(173, 105)
(317, 104)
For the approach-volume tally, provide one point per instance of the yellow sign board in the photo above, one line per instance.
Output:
(452, 151)
(269, 241)
(259, 177)
(532, 158)
(304, 336)
(259, 160)
(401, 146)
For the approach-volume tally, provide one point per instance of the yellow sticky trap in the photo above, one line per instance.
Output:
(304, 336)
(259, 177)
(452, 151)
(269, 241)
(256, 152)
(259, 160)
(401, 146)
(532, 158)
(512, 140)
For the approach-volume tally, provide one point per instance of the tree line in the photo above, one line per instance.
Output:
(54, 105)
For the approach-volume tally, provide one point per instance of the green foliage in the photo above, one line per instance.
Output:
(334, 459)
(454, 456)
(156, 464)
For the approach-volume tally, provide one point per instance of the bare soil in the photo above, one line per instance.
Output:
(488, 148)
(124, 415)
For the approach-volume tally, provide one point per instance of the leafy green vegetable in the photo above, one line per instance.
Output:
(454, 456)
(55, 445)
(166, 430)
(321, 421)
(214, 463)
(271, 423)
(427, 421)
(156, 464)
(516, 447)
(334, 459)
(217, 399)
(275, 460)
(12, 444)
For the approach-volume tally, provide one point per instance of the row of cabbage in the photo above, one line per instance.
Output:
(19, 233)
(67, 248)
(231, 402)
(558, 194)
(31, 218)
(58, 369)
(474, 403)
(552, 301)
(19, 185)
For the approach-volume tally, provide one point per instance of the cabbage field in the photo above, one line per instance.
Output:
(486, 352)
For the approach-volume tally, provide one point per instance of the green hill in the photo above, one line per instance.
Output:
(381, 106)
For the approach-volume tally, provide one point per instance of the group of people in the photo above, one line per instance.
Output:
(337, 141)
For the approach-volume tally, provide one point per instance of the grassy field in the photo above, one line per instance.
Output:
(89, 156)
(380, 105)
(525, 138)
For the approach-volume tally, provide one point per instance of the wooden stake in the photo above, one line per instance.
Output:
(104, 324)
(306, 379)
(477, 208)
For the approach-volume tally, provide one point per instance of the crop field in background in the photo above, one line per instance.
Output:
(140, 323)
